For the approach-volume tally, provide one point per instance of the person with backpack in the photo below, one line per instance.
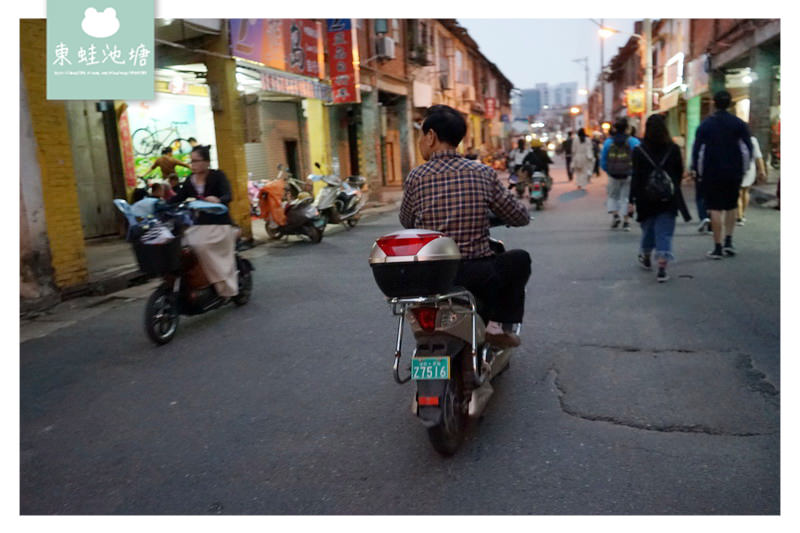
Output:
(617, 161)
(656, 192)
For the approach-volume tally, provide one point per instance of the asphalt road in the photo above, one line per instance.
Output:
(627, 396)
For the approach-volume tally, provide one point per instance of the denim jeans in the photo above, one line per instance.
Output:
(657, 232)
(618, 190)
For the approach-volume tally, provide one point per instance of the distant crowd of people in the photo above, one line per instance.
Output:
(644, 178)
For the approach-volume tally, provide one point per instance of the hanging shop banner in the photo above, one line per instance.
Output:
(342, 60)
(291, 45)
(491, 107)
(282, 83)
(100, 54)
(635, 99)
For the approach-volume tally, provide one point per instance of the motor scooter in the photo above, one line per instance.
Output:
(185, 289)
(539, 189)
(340, 202)
(452, 364)
(295, 216)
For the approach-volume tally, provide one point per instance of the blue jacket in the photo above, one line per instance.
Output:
(722, 148)
(633, 142)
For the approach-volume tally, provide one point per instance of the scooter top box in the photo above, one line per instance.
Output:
(414, 262)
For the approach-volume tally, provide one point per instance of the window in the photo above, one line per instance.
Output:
(396, 30)
(381, 26)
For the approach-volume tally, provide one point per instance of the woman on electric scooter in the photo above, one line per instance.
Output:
(213, 237)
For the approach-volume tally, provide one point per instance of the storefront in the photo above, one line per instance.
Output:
(180, 111)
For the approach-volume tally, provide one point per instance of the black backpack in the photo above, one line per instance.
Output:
(659, 187)
(619, 161)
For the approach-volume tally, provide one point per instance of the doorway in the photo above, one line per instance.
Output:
(92, 169)
(290, 151)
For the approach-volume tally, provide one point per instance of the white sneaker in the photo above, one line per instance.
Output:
(705, 225)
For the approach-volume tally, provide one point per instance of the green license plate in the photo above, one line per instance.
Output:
(430, 368)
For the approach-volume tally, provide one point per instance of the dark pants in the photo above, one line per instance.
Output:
(569, 168)
(498, 282)
(699, 200)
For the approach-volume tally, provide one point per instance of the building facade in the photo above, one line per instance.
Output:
(262, 93)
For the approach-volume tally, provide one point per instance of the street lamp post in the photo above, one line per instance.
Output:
(647, 38)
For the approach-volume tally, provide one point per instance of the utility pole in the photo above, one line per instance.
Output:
(602, 79)
(648, 68)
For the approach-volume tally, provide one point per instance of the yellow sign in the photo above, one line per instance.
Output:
(635, 101)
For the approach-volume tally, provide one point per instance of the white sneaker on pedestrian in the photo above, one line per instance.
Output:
(705, 226)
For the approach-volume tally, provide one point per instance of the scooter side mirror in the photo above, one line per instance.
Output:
(317, 165)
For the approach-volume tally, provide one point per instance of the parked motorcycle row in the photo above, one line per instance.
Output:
(288, 206)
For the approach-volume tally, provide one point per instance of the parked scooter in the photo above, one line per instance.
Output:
(185, 290)
(294, 216)
(340, 202)
(452, 364)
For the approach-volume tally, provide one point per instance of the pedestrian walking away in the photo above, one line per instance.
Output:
(722, 151)
(616, 160)
(755, 170)
(453, 195)
(655, 191)
(596, 142)
(582, 159)
(566, 146)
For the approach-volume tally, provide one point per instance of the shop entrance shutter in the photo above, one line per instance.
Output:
(256, 156)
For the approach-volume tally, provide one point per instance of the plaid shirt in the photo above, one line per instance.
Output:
(453, 194)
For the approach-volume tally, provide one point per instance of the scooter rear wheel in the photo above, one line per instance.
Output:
(161, 316)
(448, 434)
(313, 233)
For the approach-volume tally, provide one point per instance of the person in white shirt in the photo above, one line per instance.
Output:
(517, 155)
(755, 170)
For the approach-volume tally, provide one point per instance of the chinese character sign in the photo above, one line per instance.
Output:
(343, 72)
(491, 107)
(292, 45)
(635, 98)
(104, 52)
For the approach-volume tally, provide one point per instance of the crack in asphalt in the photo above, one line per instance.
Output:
(676, 428)
(757, 381)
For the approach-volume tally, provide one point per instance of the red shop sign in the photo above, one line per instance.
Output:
(342, 70)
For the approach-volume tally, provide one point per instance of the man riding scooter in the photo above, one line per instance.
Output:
(539, 161)
(454, 195)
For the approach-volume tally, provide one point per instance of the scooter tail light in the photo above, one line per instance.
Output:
(536, 186)
(426, 317)
(428, 401)
(394, 246)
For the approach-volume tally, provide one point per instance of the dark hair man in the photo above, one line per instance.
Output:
(722, 152)
(617, 161)
(454, 195)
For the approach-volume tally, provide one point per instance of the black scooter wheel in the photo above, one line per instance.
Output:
(161, 316)
(313, 233)
(273, 232)
(245, 284)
